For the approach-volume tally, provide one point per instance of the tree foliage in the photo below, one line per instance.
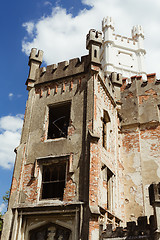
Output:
(5, 201)
(1, 222)
(6, 197)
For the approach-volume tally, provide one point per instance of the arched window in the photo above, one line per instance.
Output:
(50, 231)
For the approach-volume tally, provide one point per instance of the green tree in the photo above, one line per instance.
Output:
(1, 222)
(5, 201)
(6, 198)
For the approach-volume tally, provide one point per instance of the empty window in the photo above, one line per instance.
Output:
(106, 120)
(108, 177)
(109, 189)
(95, 53)
(59, 117)
(158, 189)
(53, 180)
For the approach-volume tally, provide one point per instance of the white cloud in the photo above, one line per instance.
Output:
(48, 3)
(62, 36)
(10, 133)
(10, 95)
(2, 207)
(29, 27)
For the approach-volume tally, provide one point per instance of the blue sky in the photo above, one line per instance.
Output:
(59, 29)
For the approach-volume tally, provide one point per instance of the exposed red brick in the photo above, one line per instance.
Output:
(130, 95)
(14, 185)
(70, 190)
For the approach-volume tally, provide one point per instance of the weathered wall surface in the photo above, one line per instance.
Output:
(150, 148)
(104, 158)
(35, 134)
(141, 137)
(110, 154)
(68, 82)
(133, 188)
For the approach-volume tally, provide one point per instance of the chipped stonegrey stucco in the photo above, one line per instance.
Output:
(95, 234)
(141, 138)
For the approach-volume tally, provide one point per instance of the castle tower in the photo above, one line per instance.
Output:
(122, 54)
(62, 184)
(89, 147)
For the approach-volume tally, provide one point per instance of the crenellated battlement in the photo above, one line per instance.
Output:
(93, 44)
(116, 78)
(121, 53)
(90, 145)
(107, 22)
(35, 61)
(93, 37)
(36, 56)
(126, 40)
(144, 228)
(140, 100)
(133, 231)
(151, 79)
(63, 70)
(137, 31)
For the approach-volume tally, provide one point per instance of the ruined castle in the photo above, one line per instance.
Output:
(90, 146)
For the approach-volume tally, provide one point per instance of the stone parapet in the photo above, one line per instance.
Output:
(140, 100)
(93, 37)
(108, 22)
(141, 230)
(63, 70)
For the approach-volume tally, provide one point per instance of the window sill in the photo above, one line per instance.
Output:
(50, 201)
(55, 139)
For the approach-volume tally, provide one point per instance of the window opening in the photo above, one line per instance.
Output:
(159, 112)
(106, 120)
(59, 117)
(158, 189)
(108, 177)
(95, 53)
(53, 180)
(51, 231)
(109, 189)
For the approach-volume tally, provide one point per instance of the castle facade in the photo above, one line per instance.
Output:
(90, 146)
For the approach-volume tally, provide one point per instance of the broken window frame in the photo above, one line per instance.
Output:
(58, 120)
(57, 162)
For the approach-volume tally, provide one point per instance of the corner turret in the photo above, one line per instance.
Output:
(35, 61)
(138, 35)
(123, 54)
(137, 31)
(93, 44)
(116, 79)
(108, 28)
